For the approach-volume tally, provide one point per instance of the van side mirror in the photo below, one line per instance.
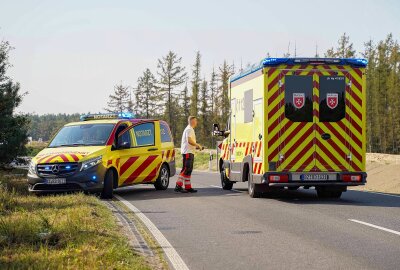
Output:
(218, 132)
(124, 145)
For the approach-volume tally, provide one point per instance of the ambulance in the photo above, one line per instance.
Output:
(103, 152)
(296, 122)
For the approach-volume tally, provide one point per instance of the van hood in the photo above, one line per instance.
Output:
(68, 154)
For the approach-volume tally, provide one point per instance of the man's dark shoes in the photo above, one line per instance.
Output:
(178, 188)
(191, 190)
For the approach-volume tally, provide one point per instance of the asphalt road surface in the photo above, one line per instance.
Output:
(218, 229)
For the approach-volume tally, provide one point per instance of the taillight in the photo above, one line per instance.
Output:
(278, 178)
(351, 178)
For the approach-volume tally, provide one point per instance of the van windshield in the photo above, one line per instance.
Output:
(82, 135)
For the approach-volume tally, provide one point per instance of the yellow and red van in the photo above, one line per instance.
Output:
(103, 152)
(296, 122)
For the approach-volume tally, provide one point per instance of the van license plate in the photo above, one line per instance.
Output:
(56, 181)
(314, 177)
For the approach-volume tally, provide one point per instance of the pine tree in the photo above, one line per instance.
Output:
(213, 96)
(185, 103)
(120, 100)
(194, 104)
(225, 71)
(204, 113)
(172, 75)
(343, 50)
(13, 127)
(147, 96)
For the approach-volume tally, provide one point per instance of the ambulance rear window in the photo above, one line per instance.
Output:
(332, 98)
(298, 98)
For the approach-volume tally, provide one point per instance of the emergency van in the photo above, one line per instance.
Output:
(103, 152)
(296, 122)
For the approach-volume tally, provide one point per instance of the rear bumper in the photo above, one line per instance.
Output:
(293, 180)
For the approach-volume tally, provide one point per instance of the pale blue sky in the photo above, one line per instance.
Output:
(70, 54)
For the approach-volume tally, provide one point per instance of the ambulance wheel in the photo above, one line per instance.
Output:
(107, 192)
(162, 181)
(225, 183)
(254, 189)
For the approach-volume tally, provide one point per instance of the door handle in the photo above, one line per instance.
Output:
(152, 149)
(326, 136)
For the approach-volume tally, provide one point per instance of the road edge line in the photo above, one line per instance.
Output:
(173, 256)
(375, 226)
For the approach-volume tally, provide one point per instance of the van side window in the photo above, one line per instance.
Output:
(298, 98)
(332, 107)
(165, 133)
(143, 134)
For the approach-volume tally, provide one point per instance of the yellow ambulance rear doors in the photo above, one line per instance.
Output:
(311, 117)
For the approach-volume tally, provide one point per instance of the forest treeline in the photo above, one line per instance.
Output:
(173, 92)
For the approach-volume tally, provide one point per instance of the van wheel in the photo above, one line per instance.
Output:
(162, 181)
(326, 193)
(107, 192)
(254, 189)
(225, 183)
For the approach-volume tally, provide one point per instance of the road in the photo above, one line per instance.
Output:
(218, 229)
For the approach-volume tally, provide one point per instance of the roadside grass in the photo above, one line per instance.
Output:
(34, 148)
(201, 159)
(74, 231)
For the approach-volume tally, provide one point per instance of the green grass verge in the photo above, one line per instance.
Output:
(73, 231)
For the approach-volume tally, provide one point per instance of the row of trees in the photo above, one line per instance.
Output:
(171, 94)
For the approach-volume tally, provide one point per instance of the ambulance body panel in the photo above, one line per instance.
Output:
(297, 122)
(135, 150)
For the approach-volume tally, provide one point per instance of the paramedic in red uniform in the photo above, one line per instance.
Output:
(188, 146)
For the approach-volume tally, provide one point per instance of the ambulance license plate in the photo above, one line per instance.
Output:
(56, 181)
(314, 177)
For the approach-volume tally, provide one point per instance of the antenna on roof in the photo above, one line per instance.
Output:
(316, 50)
(295, 49)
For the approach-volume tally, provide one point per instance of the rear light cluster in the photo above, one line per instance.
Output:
(351, 177)
(278, 178)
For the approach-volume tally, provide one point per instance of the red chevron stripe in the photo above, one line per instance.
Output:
(347, 131)
(355, 111)
(259, 148)
(42, 158)
(152, 175)
(287, 139)
(75, 157)
(295, 146)
(64, 158)
(306, 163)
(117, 163)
(136, 173)
(327, 166)
(355, 97)
(276, 108)
(271, 71)
(50, 158)
(109, 162)
(353, 123)
(330, 155)
(278, 134)
(127, 164)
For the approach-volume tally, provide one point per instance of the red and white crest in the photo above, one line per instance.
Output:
(299, 100)
(332, 100)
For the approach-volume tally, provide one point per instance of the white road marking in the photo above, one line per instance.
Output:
(375, 226)
(234, 190)
(169, 250)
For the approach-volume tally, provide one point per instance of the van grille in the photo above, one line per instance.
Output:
(57, 169)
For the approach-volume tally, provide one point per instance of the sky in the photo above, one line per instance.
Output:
(68, 55)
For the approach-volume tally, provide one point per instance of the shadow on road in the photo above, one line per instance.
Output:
(301, 196)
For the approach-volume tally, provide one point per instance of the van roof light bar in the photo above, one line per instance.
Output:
(102, 116)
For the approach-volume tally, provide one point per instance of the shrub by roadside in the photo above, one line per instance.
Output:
(73, 231)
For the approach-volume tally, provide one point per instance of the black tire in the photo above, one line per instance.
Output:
(162, 181)
(108, 186)
(225, 183)
(254, 189)
(331, 194)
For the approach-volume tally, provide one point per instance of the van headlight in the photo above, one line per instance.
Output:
(32, 168)
(91, 163)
